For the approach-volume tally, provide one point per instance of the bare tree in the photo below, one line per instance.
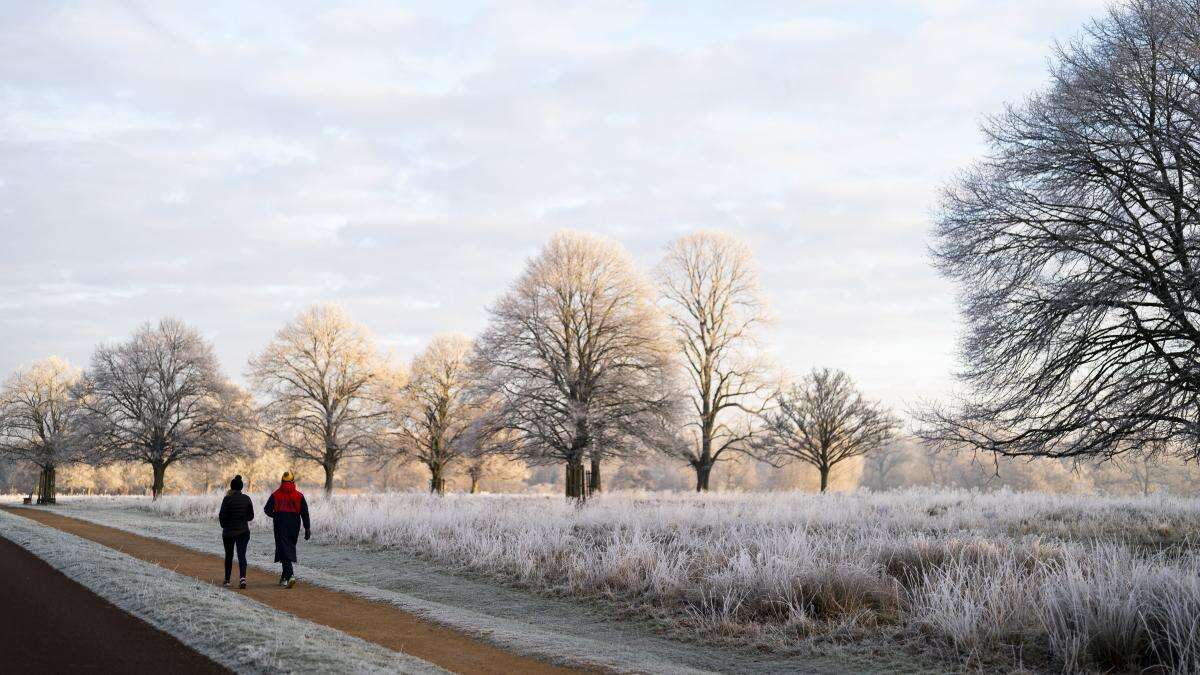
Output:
(324, 389)
(709, 291)
(495, 469)
(883, 465)
(575, 357)
(1146, 472)
(823, 421)
(476, 469)
(1150, 469)
(41, 420)
(485, 447)
(159, 398)
(435, 411)
(1075, 246)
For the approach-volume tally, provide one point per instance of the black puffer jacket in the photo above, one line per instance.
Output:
(236, 513)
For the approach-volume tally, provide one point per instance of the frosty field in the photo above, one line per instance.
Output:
(981, 581)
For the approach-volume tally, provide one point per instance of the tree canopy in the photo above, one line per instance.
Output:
(1074, 244)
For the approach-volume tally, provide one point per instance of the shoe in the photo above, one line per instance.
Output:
(291, 583)
(241, 583)
(225, 583)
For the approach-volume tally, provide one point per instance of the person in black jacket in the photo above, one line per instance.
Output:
(236, 513)
(288, 508)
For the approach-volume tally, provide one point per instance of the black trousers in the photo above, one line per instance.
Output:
(240, 542)
(287, 569)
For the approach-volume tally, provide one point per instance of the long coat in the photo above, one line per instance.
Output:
(288, 509)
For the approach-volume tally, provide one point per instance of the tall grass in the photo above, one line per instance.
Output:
(1071, 582)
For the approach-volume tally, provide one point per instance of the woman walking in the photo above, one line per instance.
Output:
(289, 510)
(236, 513)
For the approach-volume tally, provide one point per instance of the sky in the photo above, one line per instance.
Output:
(231, 163)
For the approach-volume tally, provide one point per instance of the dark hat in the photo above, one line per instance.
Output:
(236, 483)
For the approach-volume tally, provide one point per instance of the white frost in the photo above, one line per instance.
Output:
(239, 633)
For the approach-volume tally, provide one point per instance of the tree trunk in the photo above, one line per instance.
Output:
(702, 473)
(575, 479)
(437, 484)
(704, 462)
(595, 485)
(474, 483)
(46, 486)
(329, 469)
(160, 473)
(824, 477)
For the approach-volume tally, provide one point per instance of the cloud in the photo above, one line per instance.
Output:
(232, 164)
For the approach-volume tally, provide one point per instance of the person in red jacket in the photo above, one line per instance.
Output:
(288, 509)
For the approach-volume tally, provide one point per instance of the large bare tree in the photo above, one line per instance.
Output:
(41, 420)
(1075, 245)
(709, 290)
(436, 411)
(159, 398)
(324, 389)
(575, 356)
(823, 421)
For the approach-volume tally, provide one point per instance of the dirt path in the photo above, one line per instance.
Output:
(52, 624)
(376, 622)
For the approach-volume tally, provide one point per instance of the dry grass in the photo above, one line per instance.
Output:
(1060, 582)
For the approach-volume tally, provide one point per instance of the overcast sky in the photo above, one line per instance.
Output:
(230, 165)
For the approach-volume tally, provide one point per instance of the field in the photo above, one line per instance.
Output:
(986, 581)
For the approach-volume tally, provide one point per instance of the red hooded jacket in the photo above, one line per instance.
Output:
(288, 509)
(287, 498)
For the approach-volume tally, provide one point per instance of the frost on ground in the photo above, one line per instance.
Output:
(558, 630)
(991, 580)
(205, 617)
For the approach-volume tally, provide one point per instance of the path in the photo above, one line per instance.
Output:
(376, 622)
(52, 624)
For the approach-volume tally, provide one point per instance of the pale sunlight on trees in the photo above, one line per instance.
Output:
(824, 421)
(435, 411)
(576, 357)
(41, 421)
(324, 387)
(159, 398)
(709, 290)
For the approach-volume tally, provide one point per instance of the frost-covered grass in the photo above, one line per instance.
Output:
(239, 633)
(1058, 582)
